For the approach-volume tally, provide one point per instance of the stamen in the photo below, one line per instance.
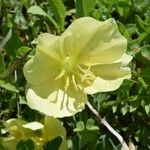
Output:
(81, 69)
(79, 87)
(60, 75)
(86, 74)
(74, 82)
(67, 83)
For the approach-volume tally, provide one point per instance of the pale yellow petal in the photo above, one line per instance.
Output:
(101, 85)
(52, 129)
(110, 71)
(40, 68)
(58, 103)
(33, 126)
(46, 40)
(125, 59)
(96, 42)
(52, 45)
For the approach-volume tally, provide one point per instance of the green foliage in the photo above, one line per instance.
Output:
(59, 12)
(126, 109)
(53, 144)
(25, 145)
(85, 7)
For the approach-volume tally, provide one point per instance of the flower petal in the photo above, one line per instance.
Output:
(58, 103)
(125, 59)
(101, 85)
(40, 68)
(110, 71)
(52, 45)
(53, 128)
(96, 42)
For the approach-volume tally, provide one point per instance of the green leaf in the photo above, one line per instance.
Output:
(8, 86)
(132, 108)
(90, 123)
(59, 12)
(25, 145)
(36, 10)
(147, 109)
(124, 109)
(13, 43)
(22, 50)
(141, 25)
(6, 39)
(53, 144)
(124, 31)
(85, 7)
(79, 127)
(145, 51)
(145, 36)
(2, 64)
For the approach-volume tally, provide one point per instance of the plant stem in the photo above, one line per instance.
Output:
(105, 123)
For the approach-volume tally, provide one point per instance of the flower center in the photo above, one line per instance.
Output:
(68, 65)
(75, 75)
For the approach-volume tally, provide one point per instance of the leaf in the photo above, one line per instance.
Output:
(59, 12)
(53, 144)
(2, 64)
(145, 36)
(85, 7)
(36, 10)
(124, 31)
(22, 50)
(132, 108)
(124, 109)
(145, 51)
(90, 123)
(147, 108)
(8, 86)
(25, 145)
(141, 25)
(13, 43)
(6, 39)
(80, 125)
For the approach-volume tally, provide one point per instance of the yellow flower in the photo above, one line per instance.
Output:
(89, 57)
(39, 133)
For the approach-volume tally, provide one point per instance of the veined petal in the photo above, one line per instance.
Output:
(96, 42)
(101, 85)
(53, 128)
(125, 59)
(58, 103)
(40, 68)
(110, 71)
(46, 40)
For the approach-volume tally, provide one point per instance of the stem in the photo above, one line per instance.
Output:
(105, 123)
